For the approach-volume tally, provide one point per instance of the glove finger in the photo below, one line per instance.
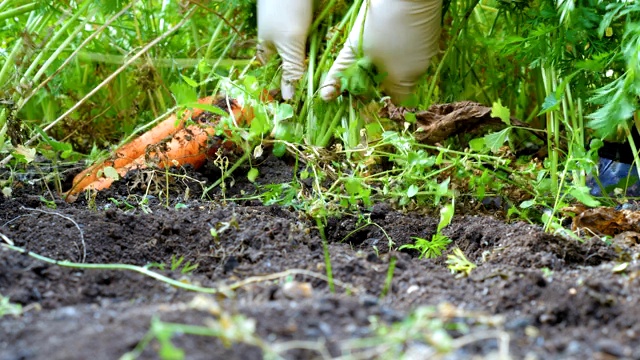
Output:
(286, 23)
(330, 88)
(292, 52)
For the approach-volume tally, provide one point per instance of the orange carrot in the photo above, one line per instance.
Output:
(187, 145)
(132, 150)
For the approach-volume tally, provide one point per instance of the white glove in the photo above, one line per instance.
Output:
(399, 36)
(283, 26)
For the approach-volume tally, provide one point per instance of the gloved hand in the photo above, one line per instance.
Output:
(283, 26)
(399, 36)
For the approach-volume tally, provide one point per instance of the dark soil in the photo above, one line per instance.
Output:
(533, 295)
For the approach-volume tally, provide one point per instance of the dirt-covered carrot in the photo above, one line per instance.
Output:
(187, 146)
(132, 150)
(164, 145)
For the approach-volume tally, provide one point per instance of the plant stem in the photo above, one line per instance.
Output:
(10, 62)
(553, 138)
(134, 268)
(307, 107)
(4, 4)
(179, 284)
(458, 32)
(326, 11)
(54, 42)
(327, 258)
(70, 57)
(18, 11)
(212, 42)
(389, 278)
(327, 130)
(322, 66)
(634, 150)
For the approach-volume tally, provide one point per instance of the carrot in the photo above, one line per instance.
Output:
(132, 150)
(186, 145)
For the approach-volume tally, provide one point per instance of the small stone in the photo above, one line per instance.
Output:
(325, 328)
(369, 301)
(518, 323)
(68, 312)
(531, 331)
(413, 288)
(290, 327)
(547, 318)
(418, 351)
(297, 290)
(573, 348)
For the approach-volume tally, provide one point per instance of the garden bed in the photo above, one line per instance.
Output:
(533, 295)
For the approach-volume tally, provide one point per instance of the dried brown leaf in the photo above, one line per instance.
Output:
(606, 220)
(442, 121)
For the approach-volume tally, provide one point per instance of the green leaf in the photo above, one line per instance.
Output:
(206, 107)
(253, 174)
(501, 112)
(615, 115)
(412, 191)
(111, 6)
(168, 351)
(353, 186)
(189, 81)
(252, 85)
(478, 144)
(284, 112)
(410, 117)
(358, 78)
(442, 190)
(374, 130)
(184, 93)
(550, 103)
(411, 101)
(581, 193)
(495, 140)
(596, 144)
(24, 154)
(446, 215)
(260, 123)
(204, 67)
(279, 149)
(288, 131)
(527, 204)
(439, 158)
(620, 268)
(111, 173)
